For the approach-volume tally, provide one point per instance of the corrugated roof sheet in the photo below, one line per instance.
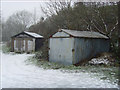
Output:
(33, 34)
(87, 34)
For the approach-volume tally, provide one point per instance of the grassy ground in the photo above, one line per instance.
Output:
(104, 72)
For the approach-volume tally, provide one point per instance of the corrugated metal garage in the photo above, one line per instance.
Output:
(26, 42)
(70, 47)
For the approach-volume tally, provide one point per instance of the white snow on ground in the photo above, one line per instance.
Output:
(99, 61)
(16, 74)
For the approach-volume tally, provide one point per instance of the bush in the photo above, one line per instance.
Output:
(116, 55)
(115, 49)
(5, 49)
(38, 55)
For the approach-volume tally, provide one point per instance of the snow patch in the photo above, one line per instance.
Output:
(34, 34)
(99, 61)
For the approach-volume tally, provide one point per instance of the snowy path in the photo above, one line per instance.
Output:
(15, 74)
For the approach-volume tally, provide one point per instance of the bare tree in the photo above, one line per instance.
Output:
(53, 7)
(119, 39)
(103, 28)
(17, 23)
(22, 17)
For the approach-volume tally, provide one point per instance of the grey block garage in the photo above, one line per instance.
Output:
(26, 42)
(70, 47)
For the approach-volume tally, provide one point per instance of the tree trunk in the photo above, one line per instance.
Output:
(119, 20)
(119, 38)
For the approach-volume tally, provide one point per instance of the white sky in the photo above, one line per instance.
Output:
(10, 7)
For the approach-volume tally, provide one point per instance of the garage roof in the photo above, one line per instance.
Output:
(33, 34)
(87, 34)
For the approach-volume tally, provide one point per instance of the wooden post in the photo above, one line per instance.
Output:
(12, 44)
(26, 45)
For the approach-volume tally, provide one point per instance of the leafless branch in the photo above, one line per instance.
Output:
(55, 7)
(113, 28)
(97, 11)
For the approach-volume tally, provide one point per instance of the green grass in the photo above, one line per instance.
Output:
(104, 72)
(44, 64)
(0, 47)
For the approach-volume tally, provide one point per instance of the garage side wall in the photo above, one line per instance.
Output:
(86, 48)
(60, 50)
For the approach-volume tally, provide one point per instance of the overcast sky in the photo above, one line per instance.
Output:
(10, 7)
